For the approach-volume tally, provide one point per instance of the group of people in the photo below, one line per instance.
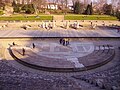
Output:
(64, 41)
(23, 49)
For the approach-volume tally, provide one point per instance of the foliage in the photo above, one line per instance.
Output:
(65, 11)
(58, 11)
(24, 7)
(78, 7)
(89, 10)
(16, 9)
(2, 6)
(1, 12)
(38, 5)
(107, 9)
(118, 14)
(14, 3)
(27, 8)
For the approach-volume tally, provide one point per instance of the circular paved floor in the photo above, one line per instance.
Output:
(56, 50)
(37, 42)
(54, 55)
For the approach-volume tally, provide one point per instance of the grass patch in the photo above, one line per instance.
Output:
(25, 18)
(1, 12)
(50, 17)
(89, 17)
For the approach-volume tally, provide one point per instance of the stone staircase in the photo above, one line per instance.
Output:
(86, 86)
(58, 17)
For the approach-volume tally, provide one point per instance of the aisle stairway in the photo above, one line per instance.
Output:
(107, 79)
(86, 86)
(58, 17)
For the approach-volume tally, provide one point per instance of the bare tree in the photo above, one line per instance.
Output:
(39, 4)
(64, 4)
(73, 1)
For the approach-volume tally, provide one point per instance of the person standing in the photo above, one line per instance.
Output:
(13, 44)
(91, 23)
(61, 40)
(33, 45)
(67, 42)
(119, 48)
(118, 30)
(23, 51)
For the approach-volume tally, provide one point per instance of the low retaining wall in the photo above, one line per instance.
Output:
(53, 69)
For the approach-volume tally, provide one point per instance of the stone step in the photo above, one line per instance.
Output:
(86, 86)
(58, 17)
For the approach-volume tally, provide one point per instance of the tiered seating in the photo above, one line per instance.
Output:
(16, 79)
(108, 79)
(101, 55)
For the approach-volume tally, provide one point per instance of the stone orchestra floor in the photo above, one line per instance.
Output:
(52, 50)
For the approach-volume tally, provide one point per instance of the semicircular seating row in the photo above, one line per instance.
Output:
(100, 56)
(108, 79)
(12, 78)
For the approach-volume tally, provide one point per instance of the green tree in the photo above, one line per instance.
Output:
(113, 12)
(107, 9)
(16, 9)
(89, 10)
(2, 6)
(118, 14)
(14, 3)
(28, 8)
(77, 7)
(81, 8)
